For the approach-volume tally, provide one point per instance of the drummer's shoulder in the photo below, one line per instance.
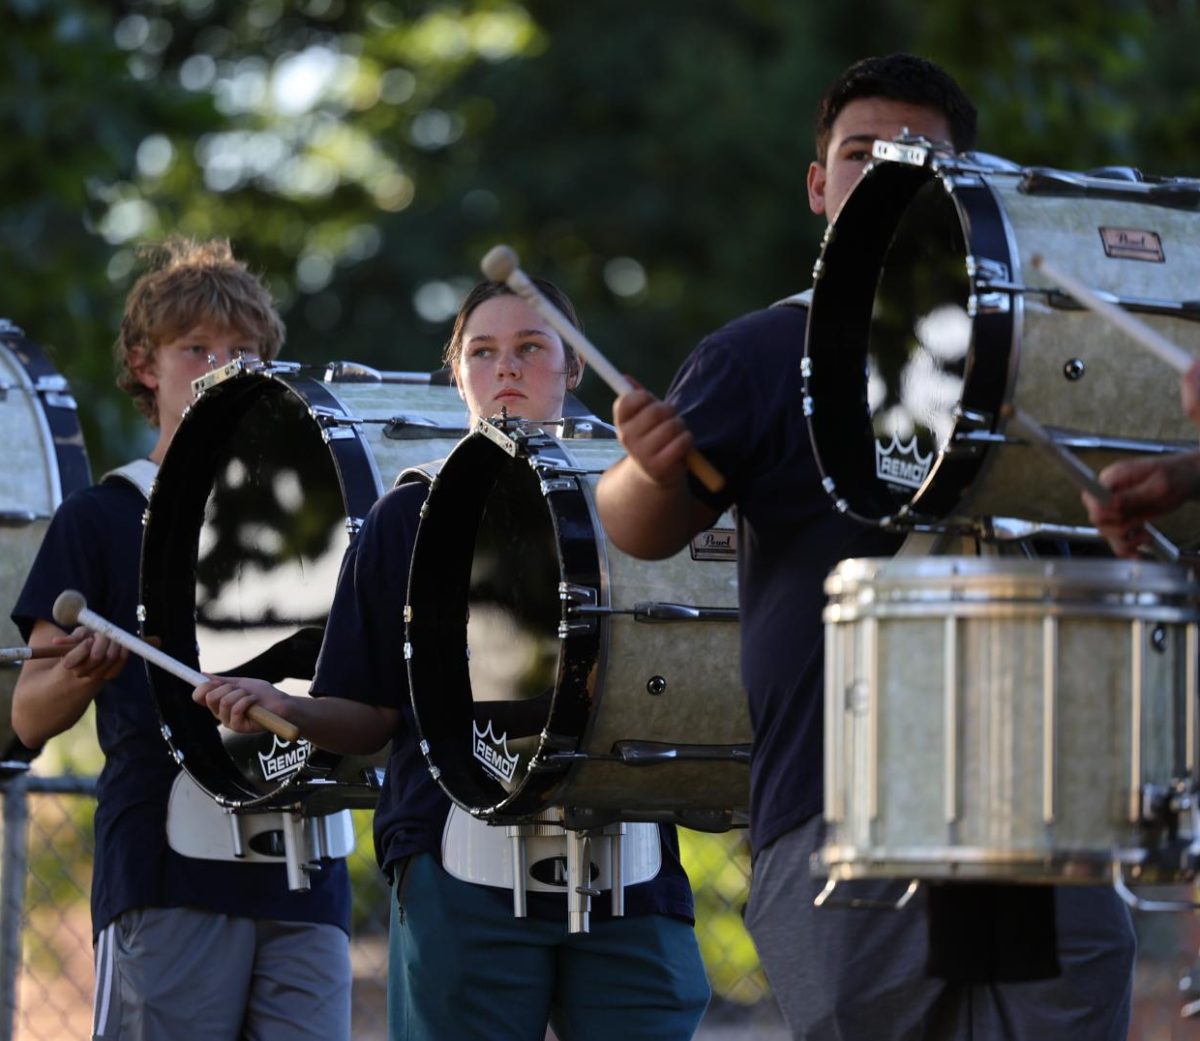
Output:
(402, 503)
(96, 502)
(759, 336)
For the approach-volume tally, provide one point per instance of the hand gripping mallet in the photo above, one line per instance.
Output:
(71, 609)
(500, 264)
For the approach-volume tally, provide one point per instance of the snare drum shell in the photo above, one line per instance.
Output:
(998, 719)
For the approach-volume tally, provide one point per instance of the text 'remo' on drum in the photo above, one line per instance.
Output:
(549, 669)
(927, 319)
(267, 478)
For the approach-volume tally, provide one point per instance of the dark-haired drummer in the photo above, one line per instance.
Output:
(186, 947)
(838, 973)
(460, 965)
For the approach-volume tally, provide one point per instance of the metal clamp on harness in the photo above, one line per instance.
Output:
(542, 856)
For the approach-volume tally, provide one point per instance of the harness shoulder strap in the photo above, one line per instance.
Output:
(801, 299)
(140, 473)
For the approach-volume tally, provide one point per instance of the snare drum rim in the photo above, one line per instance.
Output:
(926, 587)
(174, 516)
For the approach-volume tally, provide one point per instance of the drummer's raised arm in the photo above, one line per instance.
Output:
(645, 500)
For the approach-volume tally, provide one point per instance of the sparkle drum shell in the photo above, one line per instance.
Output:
(623, 672)
(266, 481)
(927, 318)
(1011, 720)
(44, 461)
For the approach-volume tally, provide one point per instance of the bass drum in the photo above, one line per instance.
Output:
(44, 461)
(547, 668)
(928, 319)
(266, 481)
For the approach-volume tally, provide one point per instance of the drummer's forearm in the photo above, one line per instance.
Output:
(341, 725)
(49, 699)
(646, 519)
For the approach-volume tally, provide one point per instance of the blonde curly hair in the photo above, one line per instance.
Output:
(188, 283)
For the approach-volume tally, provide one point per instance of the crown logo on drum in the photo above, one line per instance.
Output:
(901, 463)
(493, 752)
(283, 758)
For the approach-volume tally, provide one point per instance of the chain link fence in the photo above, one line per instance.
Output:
(46, 969)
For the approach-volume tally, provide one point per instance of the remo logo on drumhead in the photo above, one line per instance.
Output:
(493, 752)
(902, 464)
(283, 758)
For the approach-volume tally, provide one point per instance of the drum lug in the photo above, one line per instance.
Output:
(558, 484)
(334, 425)
(578, 600)
(988, 303)
(570, 594)
(986, 271)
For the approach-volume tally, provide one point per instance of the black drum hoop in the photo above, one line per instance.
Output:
(839, 324)
(170, 541)
(436, 633)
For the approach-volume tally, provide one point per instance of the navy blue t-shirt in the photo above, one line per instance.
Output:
(362, 659)
(740, 394)
(93, 544)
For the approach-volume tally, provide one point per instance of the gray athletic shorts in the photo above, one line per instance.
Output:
(163, 974)
(843, 974)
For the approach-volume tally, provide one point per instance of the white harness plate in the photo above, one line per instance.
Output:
(477, 852)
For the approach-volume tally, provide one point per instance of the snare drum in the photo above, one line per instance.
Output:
(927, 319)
(44, 461)
(1012, 720)
(267, 478)
(548, 668)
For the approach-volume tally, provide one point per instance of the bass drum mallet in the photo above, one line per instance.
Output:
(71, 609)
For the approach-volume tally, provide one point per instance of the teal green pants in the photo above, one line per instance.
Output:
(461, 966)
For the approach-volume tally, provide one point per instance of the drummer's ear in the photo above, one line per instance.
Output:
(457, 379)
(141, 365)
(574, 371)
(816, 187)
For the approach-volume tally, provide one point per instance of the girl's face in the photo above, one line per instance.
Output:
(512, 359)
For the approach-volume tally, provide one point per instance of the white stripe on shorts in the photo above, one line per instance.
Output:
(102, 998)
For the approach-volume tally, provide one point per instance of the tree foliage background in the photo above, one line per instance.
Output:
(649, 157)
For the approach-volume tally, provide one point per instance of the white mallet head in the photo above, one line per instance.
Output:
(67, 607)
(499, 263)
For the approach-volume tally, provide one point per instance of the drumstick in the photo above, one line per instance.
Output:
(71, 609)
(9, 655)
(1077, 471)
(1141, 333)
(15, 654)
(500, 264)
